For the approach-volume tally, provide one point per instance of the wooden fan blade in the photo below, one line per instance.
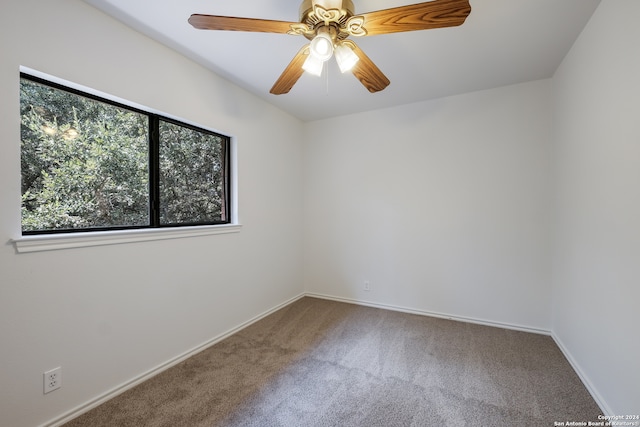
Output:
(230, 23)
(366, 71)
(292, 73)
(421, 16)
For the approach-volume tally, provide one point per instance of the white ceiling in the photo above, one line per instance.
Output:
(502, 42)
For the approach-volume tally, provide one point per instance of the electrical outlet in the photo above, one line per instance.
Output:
(52, 380)
(367, 285)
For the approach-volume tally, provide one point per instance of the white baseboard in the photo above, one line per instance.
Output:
(606, 409)
(432, 314)
(86, 407)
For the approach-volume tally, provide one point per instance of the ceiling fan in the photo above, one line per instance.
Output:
(328, 25)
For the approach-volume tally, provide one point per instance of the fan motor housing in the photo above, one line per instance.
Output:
(307, 6)
(336, 21)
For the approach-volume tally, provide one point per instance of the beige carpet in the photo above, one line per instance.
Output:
(325, 363)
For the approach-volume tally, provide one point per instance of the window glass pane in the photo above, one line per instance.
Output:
(192, 175)
(84, 162)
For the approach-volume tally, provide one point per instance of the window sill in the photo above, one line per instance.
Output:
(51, 242)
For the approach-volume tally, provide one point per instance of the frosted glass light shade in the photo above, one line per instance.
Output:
(346, 58)
(313, 65)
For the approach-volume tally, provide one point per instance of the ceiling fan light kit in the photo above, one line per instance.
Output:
(329, 23)
(323, 46)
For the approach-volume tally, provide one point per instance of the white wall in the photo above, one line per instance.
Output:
(443, 206)
(108, 314)
(597, 261)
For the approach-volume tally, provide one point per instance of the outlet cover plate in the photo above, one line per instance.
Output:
(52, 380)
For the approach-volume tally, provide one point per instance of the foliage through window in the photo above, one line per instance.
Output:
(92, 164)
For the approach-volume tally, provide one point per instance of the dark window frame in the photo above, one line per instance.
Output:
(154, 120)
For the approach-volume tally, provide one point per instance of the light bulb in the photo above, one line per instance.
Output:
(322, 46)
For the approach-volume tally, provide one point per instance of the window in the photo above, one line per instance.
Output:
(91, 164)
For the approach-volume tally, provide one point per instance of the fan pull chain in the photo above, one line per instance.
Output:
(326, 69)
